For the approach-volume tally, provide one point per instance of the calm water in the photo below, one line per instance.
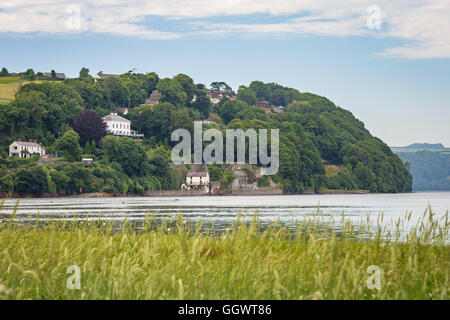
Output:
(221, 211)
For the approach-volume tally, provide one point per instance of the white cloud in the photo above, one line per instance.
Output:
(423, 24)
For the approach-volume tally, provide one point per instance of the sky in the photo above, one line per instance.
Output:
(388, 62)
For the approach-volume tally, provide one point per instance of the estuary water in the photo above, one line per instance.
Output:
(223, 210)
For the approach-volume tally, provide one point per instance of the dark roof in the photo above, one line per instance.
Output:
(59, 75)
(154, 97)
(197, 174)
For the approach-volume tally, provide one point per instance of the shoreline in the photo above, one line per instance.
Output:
(178, 193)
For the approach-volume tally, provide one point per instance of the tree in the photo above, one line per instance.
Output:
(202, 103)
(151, 79)
(251, 112)
(89, 126)
(68, 144)
(160, 120)
(260, 89)
(277, 97)
(30, 75)
(188, 86)
(117, 92)
(230, 109)
(220, 86)
(247, 95)
(84, 73)
(31, 180)
(160, 167)
(4, 72)
(130, 156)
(53, 74)
(172, 92)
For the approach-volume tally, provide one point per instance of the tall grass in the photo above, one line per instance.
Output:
(174, 259)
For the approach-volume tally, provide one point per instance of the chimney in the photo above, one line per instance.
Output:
(19, 140)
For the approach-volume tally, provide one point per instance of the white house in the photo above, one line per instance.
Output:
(101, 76)
(23, 149)
(119, 126)
(197, 181)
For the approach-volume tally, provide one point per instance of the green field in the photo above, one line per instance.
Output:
(9, 86)
(174, 260)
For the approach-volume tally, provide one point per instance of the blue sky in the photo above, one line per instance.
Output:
(395, 78)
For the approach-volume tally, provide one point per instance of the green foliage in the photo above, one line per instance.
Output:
(264, 182)
(247, 95)
(229, 110)
(69, 145)
(84, 72)
(431, 170)
(188, 87)
(159, 121)
(251, 112)
(215, 172)
(131, 158)
(30, 75)
(32, 180)
(172, 92)
(312, 129)
(117, 92)
(227, 178)
(4, 72)
(202, 103)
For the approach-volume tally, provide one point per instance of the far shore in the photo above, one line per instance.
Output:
(179, 193)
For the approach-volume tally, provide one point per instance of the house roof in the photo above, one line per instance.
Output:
(106, 75)
(197, 174)
(114, 117)
(59, 75)
(27, 144)
(154, 97)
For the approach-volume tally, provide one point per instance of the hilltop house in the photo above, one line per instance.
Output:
(23, 149)
(154, 98)
(124, 111)
(119, 126)
(59, 75)
(264, 104)
(102, 75)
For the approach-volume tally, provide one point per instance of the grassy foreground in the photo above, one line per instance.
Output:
(174, 260)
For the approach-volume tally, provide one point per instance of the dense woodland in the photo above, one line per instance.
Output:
(431, 170)
(322, 146)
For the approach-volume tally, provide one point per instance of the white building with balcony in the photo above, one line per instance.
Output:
(119, 126)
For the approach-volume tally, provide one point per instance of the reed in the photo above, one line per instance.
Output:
(173, 259)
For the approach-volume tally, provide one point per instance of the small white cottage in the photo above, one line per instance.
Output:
(197, 181)
(24, 149)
